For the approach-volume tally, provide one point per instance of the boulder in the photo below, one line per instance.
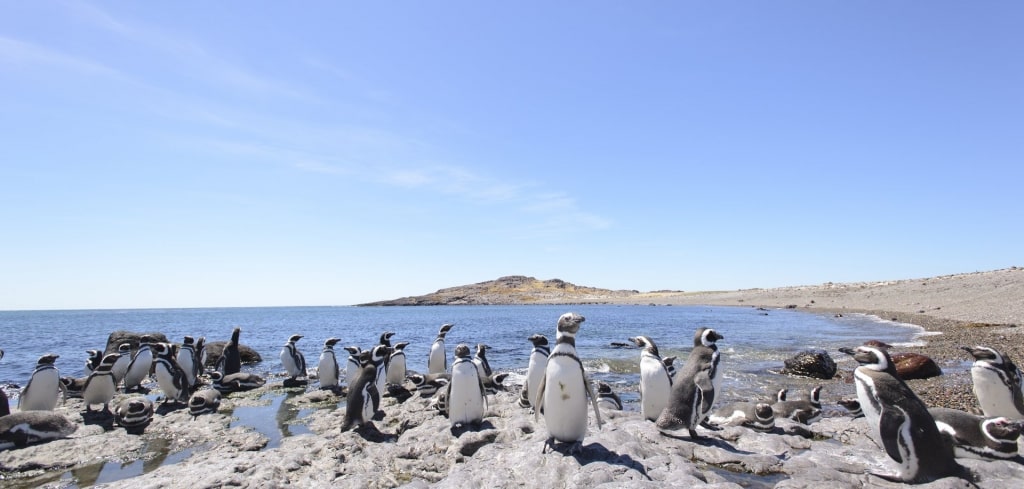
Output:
(117, 337)
(912, 366)
(215, 349)
(813, 363)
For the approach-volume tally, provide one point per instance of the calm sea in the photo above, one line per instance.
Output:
(756, 341)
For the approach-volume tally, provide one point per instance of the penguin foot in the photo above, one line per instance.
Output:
(888, 477)
(694, 435)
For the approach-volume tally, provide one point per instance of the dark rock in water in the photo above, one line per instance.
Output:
(216, 348)
(117, 337)
(815, 363)
(619, 344)
(912, 366)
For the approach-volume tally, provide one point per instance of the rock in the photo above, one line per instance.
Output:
(216, 348)
(813, 363)
(912, 366)
(117, 337)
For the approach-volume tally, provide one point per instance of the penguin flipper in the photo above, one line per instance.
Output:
(593, 399)
(707, 390)
(538, 404)
(374, 397)
(889, 425)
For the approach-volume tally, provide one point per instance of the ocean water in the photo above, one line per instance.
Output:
(756, 341)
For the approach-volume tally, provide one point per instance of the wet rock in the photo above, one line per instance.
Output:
(813, 363)
(216, 348)
(912, 366)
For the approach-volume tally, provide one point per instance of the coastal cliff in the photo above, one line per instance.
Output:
(513, 289)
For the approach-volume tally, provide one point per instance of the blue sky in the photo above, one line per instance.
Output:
(191, 154)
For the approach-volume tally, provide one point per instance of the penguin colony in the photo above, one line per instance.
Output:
(924, 443)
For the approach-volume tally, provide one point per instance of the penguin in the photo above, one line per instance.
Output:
(237, 382)
(382, 369)
(538, 365)
(170, 376)
(899, 420)
(93, 360)
(465, 397)
(294, 362)
(133, 414)
(852, 406)
(385, 338)
(363, 398)
(494, 383)
(141, 364)
(437, 361)
(186, 359)
(804, 411)
(440, 401)
(428, 385)
(100, 386)
(998, 383)
(205, 401)
(201, 355)
(379, 356)
(120, 367)
(483, 366)
(670, 365)
(352, 365)
(655, 381)
(396, 365)
(695, 386)
(27, 427)
(979, 437)
(5, 404)
(607, 398)
(565, 404)
(758, 416)
(44, 387)
(327, 367)
(230, 361)
(73, 387)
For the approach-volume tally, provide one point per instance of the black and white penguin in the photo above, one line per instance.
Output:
(186, 359)
(5, 404)
(804, 411)
(293, 360)
(466, 400)
(852, 406)
(980, 437)
(27, 427)
(100, 386)
(607, 398)
(899, 420)
(201, 355)
(437, 361)
(396, 364)
(670, 365)
(73, 387)
(120, 367)
(230, 361)
(428, 385)
(535, 371)
(205, 401)
(93, 360)
(655, 381)
(236, 382)
(695, 386)
(170, 376)
(352, 364)
(327, 366)
(133, 414)
(379, 356)
(998, 383)
(44, 388)
(141, 364)
(495, 383)
(382, 369)
(480, 359)
(564, 389)
(758, 416)
(363, 398)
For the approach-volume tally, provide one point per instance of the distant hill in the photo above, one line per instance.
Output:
(514, 289)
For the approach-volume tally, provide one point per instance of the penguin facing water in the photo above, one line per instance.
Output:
(695, 386)
(655, 382)
(535, 371)
(43, 389)
(437, 361)
(93, 360)
(465, 400)
(230, 361)
(998, 383)
(899, 420)
(327, 367)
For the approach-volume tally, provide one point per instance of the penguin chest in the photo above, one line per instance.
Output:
(185, 357)
(655, 386)
(994, 391)
(367, 410)
(42, 391)
(867, 395)
(565, 399)
(465, 399)
(534, 374)
(139, 368)
(436, 363)
(327, 370)
(396, 371)
(290, 361)
(120, 368)
(99, 389)
(169, 378)
(352, 370)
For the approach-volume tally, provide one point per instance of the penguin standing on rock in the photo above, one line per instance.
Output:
(437, 361)
(363, 398)
(170, 376)
(141, 364)
(352, 366)
(535, 372)
(397, 364)
(655, 382)
(100, 386)
(5, 404)
(564, 389)
(93, 360)
(44, 387)
(482, 365)
(695, 386)
(899, 420)
(230, 361)
(466, 400)
(979, 437)
(187, 360)
(998, 383)
(294, 362)
(327, 367)
(120, 367)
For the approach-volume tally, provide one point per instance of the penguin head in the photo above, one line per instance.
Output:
(706, 337)
(162, 349)
(764, 412)
(124, 348)
(646, 343)
(416, 379)
(94, 354)
(109, 360)
(188, 340)
(400, 346)
(379, 353)
(234, 334)
(293, 338)
(330, 342)
(385, 338)
(984, 353)
(873, 358)
(668, 361)
(462, 351)
(353, 350)
(365, 358)
(47, 359)
(215, 376)
(1003, 430)
(445, 328)
(569, 323)
(781, 395)
(816, 395)
(603, 388)
(481, 350)
(538, 340)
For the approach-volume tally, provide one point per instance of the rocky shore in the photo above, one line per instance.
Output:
(413, 446)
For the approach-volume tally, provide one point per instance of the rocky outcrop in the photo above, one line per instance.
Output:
(515, 289)
(215, 349)
(912, 366)
(132, 338)
(816, 364)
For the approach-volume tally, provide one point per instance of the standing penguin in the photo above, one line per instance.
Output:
(187, 360)
(465, 399)
(201, 355)
(5, 404)
(170, 376)
(655, 381)
(293, 360)
(100, 386)
(327, 367)
(120, 367)
(483, 366)
(140, 365)
(695, 387)
(535, 371)
(980, 437)
(363, 397)
(437, 362)
(44, 387)
(396, 365)
(998, 383)
(564, 404)
(93, 360)
(899, 420)
(352, 366)
(230, 361)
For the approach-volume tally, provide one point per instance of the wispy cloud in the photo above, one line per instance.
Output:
(17, 52)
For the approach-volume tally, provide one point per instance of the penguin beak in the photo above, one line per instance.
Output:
(848, 351)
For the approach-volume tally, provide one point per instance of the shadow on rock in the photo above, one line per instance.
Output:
(166, 408)
(458, 430)
(370, 433)
(707, 441)
(596, 452)
(103, 419)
